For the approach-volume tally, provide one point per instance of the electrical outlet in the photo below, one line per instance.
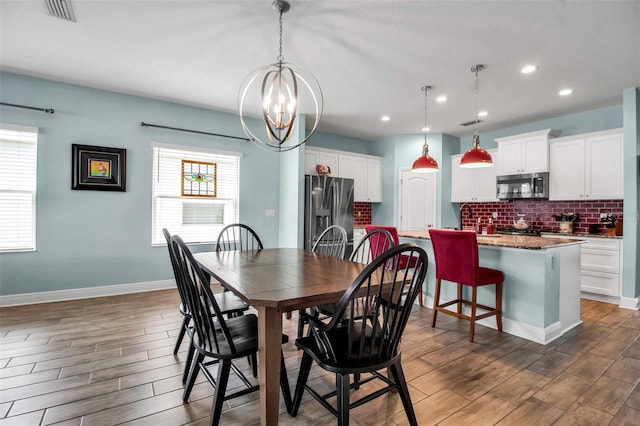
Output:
(270, 212)
(494, 215)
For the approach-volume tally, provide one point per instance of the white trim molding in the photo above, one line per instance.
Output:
(630, 303)
(84, 293)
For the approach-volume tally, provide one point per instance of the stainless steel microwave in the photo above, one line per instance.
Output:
(516, 187)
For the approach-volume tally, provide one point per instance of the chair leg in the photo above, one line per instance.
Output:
(254, 364)
(301, 322)
(221, 387)
(303, 375)
(459, 298)
(188, 362)
(420, 298)
(403, 390)
(284, 384)
(499, 305)
(193, 373)
(436, 301)
(342, 403)
(474, 296)
(183, 330)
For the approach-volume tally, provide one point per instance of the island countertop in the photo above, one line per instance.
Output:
(504, 240)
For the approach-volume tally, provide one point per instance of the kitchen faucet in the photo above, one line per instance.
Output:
(462, 206)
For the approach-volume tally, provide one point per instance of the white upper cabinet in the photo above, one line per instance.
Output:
(587, 167)
(314, 157)
(374, 180)
(365, 170)
(366, 173)
(524, 153)
(473, 185)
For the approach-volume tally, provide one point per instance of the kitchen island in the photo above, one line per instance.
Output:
(541, 290)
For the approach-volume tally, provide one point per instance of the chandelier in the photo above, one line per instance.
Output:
(279, 97)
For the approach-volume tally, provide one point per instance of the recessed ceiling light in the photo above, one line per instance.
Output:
(385, 118)
(441, 98)
(483, 114)
(426, 129)
(565, 92)
(528, 69)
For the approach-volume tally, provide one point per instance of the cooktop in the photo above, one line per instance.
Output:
(534, 232)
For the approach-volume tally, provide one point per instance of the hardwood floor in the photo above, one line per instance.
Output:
(109, 361)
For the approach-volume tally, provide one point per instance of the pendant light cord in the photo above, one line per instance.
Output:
(426, 90)
(476, 70)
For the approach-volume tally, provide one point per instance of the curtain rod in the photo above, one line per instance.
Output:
(45, 110)
(143, 124)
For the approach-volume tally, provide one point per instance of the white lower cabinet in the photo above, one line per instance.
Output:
(358, 235)
(600, 265)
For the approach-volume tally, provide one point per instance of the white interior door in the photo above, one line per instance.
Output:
(417, 200)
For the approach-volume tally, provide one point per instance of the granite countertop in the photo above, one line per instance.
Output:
(507, 241)
(582, 235)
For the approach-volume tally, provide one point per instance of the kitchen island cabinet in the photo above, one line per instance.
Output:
(541, 290)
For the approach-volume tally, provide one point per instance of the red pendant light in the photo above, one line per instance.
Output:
(425, 163)
(476, 157)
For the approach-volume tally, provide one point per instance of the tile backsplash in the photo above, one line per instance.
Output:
(539, 214)
(361, 214)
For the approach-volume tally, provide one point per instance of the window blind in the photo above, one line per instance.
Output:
(18, 172)
(195, 219)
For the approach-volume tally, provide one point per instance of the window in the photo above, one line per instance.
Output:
(18, 149)
(195, 215)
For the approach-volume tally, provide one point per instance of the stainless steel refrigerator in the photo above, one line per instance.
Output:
(327, 201)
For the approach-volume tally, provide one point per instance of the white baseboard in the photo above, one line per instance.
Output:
(630, 303)
(600, 297)
(539, 335)
(84, 293)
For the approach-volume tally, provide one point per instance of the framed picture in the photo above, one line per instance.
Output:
(98, 168)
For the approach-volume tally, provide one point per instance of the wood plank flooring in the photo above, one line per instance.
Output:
(109, 361)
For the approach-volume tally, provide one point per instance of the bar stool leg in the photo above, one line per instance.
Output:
(473, 313)
(436, 301)
(499, 305)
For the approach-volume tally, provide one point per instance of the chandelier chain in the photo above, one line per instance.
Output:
(280, 58)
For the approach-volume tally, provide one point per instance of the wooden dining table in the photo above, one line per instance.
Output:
(275, 281)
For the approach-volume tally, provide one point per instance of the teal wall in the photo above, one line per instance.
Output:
(399, 152)
(341, 143)
(566, 125)
(631, 239)
(93, 238)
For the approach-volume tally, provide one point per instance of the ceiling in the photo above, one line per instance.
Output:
(371, 58)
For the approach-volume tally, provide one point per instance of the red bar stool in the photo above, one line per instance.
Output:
(404, 259)
(456, 257)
